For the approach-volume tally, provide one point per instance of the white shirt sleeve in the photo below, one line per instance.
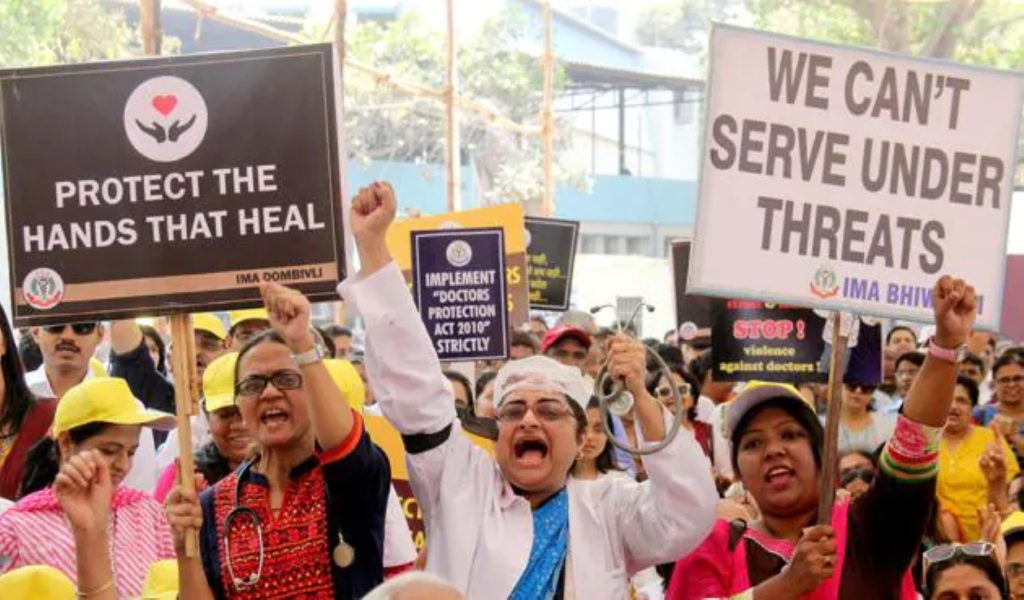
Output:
(672, 512)
(401, 363)
(399, 548)
(721, 447)
(144, 473)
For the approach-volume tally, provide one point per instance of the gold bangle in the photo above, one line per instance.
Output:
(106, 586)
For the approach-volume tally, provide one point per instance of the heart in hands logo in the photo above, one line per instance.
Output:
(165, 118)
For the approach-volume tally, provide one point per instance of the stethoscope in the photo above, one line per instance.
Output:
(343, 554)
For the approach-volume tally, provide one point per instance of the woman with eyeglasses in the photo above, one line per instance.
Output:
(860, 427)
(515, 524)
(866, 549)
(968, 572)
(965, 455)
(304, 517)
(689, 390)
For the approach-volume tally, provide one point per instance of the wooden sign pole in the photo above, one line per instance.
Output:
(183, 360)
(453, 162)
(547, 118)
(183, 341)
(830, 453)
(149, 26)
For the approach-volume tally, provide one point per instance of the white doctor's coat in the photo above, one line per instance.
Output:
(479, 532)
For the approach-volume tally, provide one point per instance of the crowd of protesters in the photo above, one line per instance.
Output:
(293, 498)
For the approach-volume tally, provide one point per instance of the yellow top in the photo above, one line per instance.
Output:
(37, 581)
(161, 581)
(348, 381)
(961, 484)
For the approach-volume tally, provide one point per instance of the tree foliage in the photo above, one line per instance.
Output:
(391, 124)
(684, 24)
(42, 32)
(983, 32)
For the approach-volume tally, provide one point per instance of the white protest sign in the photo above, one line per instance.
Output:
(851, 179)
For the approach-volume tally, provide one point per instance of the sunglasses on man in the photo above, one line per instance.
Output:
(77, 328)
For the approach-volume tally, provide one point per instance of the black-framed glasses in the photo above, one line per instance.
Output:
(946, 552)
(253, 385)
(545, 410)
(77, 328)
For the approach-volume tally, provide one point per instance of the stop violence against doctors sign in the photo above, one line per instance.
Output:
(852, 179)
(170, 185)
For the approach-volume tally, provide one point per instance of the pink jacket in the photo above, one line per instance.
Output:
(35, 532)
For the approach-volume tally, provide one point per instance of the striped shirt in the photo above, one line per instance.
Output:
(35, 532)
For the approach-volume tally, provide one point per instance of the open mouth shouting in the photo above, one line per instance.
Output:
(273, 417)
(530, 451)
(779, 477)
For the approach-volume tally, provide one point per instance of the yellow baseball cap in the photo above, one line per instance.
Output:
(1013, 526)
(209, 323)
(37, 581)
(250, 314)
(97, 367)
(161, 581)
(106, 400)
(348, 381)
(754, 394)
(219, 382)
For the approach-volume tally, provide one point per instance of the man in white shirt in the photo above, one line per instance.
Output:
(66, 351)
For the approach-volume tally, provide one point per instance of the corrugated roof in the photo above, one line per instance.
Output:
(591, 75)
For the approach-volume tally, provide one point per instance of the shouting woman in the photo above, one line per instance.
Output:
(516, 525)
(776, 452)
(304, 517)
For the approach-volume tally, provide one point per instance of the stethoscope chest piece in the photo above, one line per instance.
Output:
(344, 554)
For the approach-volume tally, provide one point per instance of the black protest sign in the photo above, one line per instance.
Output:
(459, 286)
(170, 185)
(551, 254)
(693, 311)
(754, 341)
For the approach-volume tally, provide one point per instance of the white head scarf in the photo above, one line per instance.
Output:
(541, 373)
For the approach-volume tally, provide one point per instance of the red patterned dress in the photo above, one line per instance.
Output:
(342, 489)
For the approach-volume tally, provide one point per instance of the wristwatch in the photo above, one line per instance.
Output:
(313, 355)
(953, 355)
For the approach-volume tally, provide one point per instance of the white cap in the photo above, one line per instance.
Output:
(541, 373)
